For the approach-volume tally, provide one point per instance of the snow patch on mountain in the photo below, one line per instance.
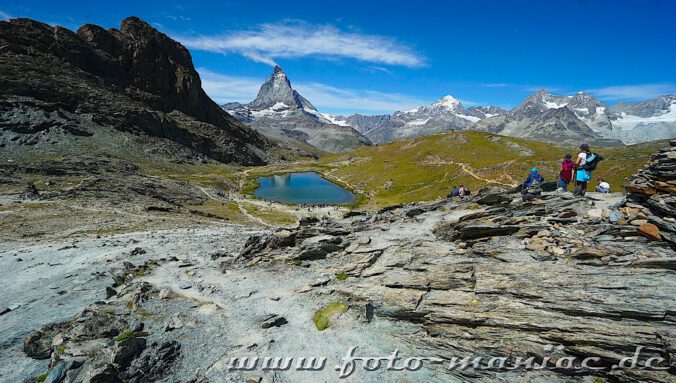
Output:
(469, 118)
(554, 105)
(419, 122)
(628, 121)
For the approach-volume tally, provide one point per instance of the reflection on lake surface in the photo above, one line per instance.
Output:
(302, 188)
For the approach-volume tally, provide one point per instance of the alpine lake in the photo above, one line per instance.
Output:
(307, 188)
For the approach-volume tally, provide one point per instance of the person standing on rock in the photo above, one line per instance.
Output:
(566, 173)
(582, 176)
(461, 192)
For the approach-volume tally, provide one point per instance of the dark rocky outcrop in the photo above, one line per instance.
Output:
(654, 189)
(57, 84)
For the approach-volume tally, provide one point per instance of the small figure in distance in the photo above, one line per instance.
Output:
(454, 192)
(531, 187)
(461, 192)
(603, 186)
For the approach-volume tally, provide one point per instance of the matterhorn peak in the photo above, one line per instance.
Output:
(278, 71)
(277, 89)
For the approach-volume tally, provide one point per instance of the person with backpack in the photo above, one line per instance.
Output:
(566, 173)
(584, 165)
(603, 186)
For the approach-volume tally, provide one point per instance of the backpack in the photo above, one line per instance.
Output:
(592, 161)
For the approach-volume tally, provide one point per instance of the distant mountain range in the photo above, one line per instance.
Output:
(541, 116)
(571, 118)
(280, 112)
(444, 115)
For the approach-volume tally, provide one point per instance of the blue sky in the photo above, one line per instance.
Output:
(376, 57)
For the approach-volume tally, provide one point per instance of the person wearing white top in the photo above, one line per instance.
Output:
(582, 176)
(603, 187)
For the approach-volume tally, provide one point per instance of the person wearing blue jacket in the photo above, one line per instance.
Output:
(532, 177)
(531, 188)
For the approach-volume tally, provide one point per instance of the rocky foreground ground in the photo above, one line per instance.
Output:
(558, 278)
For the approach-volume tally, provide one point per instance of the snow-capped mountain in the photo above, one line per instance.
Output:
(629, 123)
(544, 120)
(548, 117)
(588, 109)
(282, 113)
(650, 120)
(279, 109)
(444, 115)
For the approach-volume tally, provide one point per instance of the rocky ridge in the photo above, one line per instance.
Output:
(64, 91)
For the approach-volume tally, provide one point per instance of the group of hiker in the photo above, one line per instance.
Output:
(460, 192)
(578, 171)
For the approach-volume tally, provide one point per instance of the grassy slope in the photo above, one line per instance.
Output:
(422, 168)
(425, 168)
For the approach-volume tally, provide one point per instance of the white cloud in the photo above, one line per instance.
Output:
(225, 88)
(177, 17)
(495, 85)
(374, 69)
(298, 39)
(633, 92)
(341, 100)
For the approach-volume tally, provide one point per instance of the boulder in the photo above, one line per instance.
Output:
(174, 323)
(274, 321)
(650, 231)
(549, 186)
(58, 372)
(483, 231)
(153, 364)
(595, 213)
(95, 373)
(494, 199)
(414, 212)
(127, 350)
(166, 294)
